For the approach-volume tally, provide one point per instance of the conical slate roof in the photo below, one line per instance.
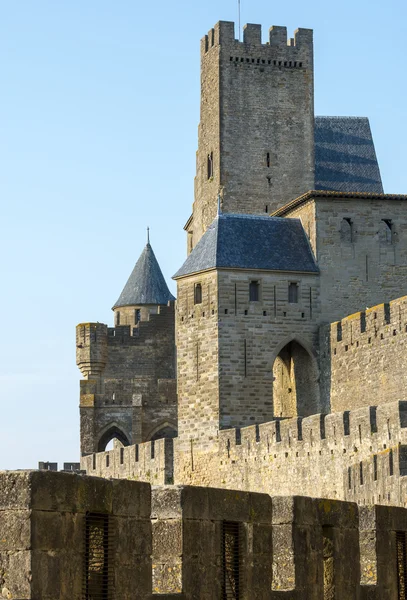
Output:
(146, 284)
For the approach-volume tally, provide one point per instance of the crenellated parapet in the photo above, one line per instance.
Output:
(365, 358)
(151, 462)
(309, 455)
(223, 34)
(158, 323)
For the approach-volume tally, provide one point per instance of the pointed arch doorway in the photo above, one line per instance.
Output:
(295, 382)
(115, 435)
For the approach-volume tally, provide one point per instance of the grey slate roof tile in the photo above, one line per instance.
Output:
(146, 284)
(251, 242)
(345, 157)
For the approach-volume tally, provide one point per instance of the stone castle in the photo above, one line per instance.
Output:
(278, 373)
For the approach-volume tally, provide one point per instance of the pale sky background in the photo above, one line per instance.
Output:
(99, 107)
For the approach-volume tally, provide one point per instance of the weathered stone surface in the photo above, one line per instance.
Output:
(43, 532)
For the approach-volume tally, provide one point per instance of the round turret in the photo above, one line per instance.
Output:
(144, 291)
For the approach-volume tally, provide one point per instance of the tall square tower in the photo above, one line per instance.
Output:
(256, 131)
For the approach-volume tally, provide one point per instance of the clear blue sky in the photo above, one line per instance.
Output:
(99, 109)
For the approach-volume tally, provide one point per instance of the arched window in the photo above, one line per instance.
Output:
(346, 230)
(386, 231)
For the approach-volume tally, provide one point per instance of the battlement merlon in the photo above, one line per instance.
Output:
(382, 319)
(223, 34)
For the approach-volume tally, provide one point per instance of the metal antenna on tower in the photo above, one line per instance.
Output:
(238, 9)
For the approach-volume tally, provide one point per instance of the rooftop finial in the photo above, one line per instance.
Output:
(148, 235)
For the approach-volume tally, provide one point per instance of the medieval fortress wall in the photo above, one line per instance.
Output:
(367, 357)
(129, 377)
(68, 536)
(357, 455)
(360, 244)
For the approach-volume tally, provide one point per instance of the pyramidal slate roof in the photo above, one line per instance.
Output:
(345, 157)
(251, 242)
(146, 284)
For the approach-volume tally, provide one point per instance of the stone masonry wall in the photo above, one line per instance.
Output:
(362, 263)
(364, 359)
(65, 536)
(251, 335)
(151, 462)
(294, 548)
(257, 122)
(197, 359)
(233, 386)
(129, 386)
(43, 529)
(370, 269)
(309, 456)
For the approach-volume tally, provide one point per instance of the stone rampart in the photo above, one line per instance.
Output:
(209, 543)
(58, 535)
(365, 360)
(308, 456)
(69, 536)
(151, 462)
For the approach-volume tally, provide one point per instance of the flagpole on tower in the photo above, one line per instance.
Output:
(238, 8)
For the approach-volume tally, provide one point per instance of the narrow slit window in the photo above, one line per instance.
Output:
(198, 294)
(137, 315)
(98, 560)
(210, 165)
(254, 291)
(268, 159)
(401, 565)
(346, 230)
(230, 560)
(386, 231)
(329, 562)
(293, 293)
(117, 320)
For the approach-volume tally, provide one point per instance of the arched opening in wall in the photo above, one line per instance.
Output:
(112, 438)
(295, 382)
(167, 431)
